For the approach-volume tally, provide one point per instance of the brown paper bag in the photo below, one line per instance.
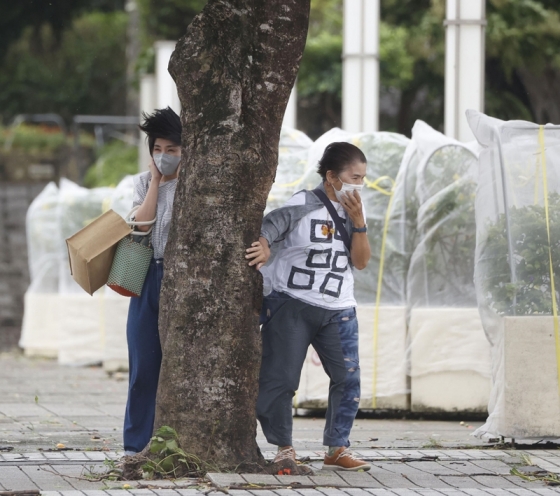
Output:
(92, 249)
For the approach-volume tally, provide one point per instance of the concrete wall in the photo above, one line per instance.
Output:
(15, 198)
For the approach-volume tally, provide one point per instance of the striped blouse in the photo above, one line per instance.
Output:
(164, 208)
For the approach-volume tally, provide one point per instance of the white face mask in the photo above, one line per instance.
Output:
(347, 188)
(167, 164)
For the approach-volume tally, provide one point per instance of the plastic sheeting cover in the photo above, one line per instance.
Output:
(292, 167)
(518, 177)
(40, 327)
(446, 338)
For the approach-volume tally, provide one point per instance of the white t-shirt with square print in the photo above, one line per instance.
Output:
(312, 265)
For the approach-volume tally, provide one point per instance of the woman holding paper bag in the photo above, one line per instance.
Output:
(154, 192)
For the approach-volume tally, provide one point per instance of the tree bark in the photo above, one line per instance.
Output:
(234, 71)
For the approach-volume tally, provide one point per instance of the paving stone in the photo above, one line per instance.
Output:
(142, 492)
(427, 481)
(72, 493)
(354, 491)
(546, 464)
(466, 467)
(412, 453)
(283, 492)
(51, 493)
(493, 481)
(359, 479)
(387, 453)
(263, 479)
(288, 480)
(545, 491)
(456, 454)
(331, 491)
(368, 453)
(45, 478)
(475, 454)
(116, 492)
(95, 455)
(441, 454)
(429, 492)
(261, 492)
(394, 481)
(224, 479)
(166, 492)
(461, 481)
(502, 492)
(53, 455)
(13, 479)
(435, 468)
(328, 480)
(76, 455)
(75, 476)
(160, 485)
(495, 466)
(400, 468)
(520, 491)
(403, 491)
(519, 482)
(234, 492)
(91, 492)
(12, 456)
(309, 492)
(35, 457)
(380, 492)
(471, 491)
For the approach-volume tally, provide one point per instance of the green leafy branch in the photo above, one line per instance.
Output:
(548, 478)
(170, 460)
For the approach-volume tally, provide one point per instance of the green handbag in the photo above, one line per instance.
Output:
(132, 259)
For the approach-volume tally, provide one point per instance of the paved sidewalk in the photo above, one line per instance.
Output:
(80, 410)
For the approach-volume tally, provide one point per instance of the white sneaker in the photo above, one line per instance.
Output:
(287, 452)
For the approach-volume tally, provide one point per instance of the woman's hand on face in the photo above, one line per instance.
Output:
(352, 204)
(156, 174)
(258, 253)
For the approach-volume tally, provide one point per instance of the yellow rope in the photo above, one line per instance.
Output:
(375, 185)
(552, 286)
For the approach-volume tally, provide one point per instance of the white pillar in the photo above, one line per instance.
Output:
(360, 66)
(290, 116)
(148, 105)
(166, 90)
(464, 64)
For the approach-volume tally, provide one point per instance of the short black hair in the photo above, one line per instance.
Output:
(338, 156)
(163, 123)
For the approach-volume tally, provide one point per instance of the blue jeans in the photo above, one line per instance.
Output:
(289, 327)
(144, 359)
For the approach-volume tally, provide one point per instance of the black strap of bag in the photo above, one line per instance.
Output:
(338, 222)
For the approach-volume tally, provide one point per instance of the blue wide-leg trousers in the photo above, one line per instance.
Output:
(144, 358)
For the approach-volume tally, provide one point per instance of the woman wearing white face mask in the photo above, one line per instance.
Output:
(317, 239)
(154, 192)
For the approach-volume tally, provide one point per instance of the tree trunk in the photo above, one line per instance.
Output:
(234, 71)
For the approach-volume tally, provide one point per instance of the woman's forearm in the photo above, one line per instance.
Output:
(147, 210)
(361, 251)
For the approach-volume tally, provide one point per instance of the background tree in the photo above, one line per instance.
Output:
(82, 73)
(522, 61)
(234, 71)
